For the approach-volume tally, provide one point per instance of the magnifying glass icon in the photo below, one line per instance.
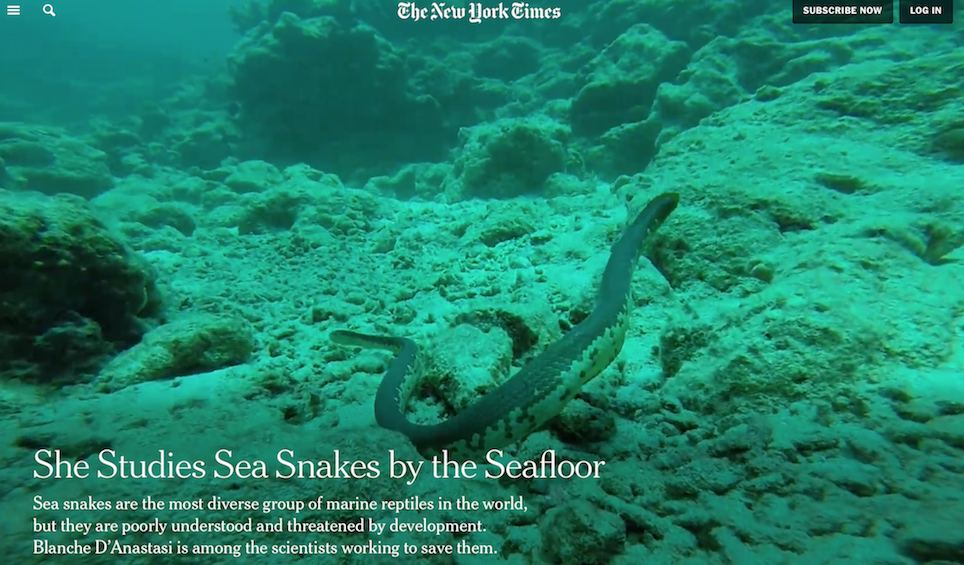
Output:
(49, 10)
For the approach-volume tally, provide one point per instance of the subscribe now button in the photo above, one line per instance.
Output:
(843, 12)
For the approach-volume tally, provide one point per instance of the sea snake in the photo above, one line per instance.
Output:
(543, 387)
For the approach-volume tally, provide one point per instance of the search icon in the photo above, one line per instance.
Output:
(49, 10)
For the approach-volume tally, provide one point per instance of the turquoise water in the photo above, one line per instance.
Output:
(196, 196)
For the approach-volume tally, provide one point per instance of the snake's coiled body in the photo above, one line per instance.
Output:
(543, 387)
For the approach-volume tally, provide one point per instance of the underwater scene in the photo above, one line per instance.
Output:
(358, 282)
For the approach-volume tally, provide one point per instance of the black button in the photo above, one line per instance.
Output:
(843, 11)
(926, 11)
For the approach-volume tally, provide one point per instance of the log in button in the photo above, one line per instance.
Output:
(926, 11)
(843, 11)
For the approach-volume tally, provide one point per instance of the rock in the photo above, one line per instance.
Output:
(52, 162)
(938, 537)
(253, 176)
(195, 344)
(578, 532)
(581, 422)
(71, 294)
(509, 158)
(468, 363)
